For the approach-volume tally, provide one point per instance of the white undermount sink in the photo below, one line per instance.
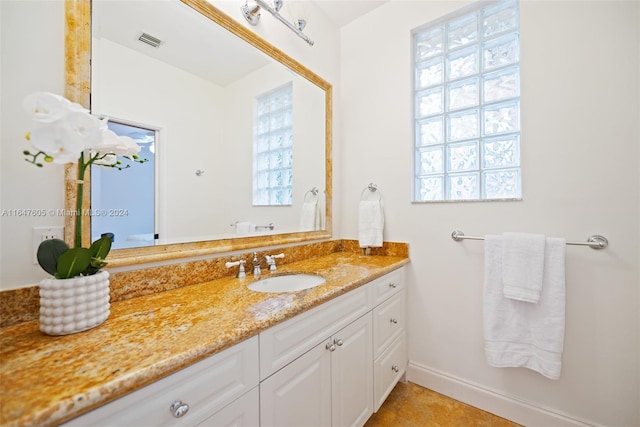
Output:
(287, 283)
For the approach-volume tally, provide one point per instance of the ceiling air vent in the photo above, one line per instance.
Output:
(150, 40)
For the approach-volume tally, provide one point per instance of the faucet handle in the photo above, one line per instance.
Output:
(241, 272)
(271, 261)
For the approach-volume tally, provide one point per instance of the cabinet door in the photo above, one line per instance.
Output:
(300, 393)
(352, 374)
(243, 412)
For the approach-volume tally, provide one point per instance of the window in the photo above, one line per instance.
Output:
(273, 148)
(467, 106)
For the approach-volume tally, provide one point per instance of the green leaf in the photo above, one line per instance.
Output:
(100, 248)
(73, 262)
(48, 253)
(94, 267)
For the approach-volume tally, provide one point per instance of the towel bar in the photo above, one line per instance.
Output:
(595, 241)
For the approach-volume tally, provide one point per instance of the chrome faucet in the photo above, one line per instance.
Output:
(256, 264)
(271, 261)
(241, 272)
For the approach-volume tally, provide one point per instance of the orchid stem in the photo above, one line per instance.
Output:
(80, 196)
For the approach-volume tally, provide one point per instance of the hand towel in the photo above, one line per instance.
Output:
(309, 215)
(371, 223)
(245, 227)
(320, 209)
(522, 266)
(521, 334)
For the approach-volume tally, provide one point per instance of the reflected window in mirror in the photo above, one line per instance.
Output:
(273, 148)
(123, 202)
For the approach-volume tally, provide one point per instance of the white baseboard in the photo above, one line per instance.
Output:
(504, 406)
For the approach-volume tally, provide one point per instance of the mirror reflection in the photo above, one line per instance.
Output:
(238, 139)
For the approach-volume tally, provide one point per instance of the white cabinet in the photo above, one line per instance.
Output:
(389, 334)
(388, 322)
(282, 343)
(389, 367)
(332, 365)
(244, 411)
(300, 394)
(387, 286)
(202, 389)
(335, 365)
(331, 384)
(351, 368)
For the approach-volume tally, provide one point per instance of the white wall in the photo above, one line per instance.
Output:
(32, 37)
(580, 163)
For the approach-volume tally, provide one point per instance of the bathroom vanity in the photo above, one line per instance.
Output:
(218, 353)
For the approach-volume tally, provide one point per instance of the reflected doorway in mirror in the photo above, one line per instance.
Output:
(123, 202)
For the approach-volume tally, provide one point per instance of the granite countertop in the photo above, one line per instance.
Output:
(46, 380)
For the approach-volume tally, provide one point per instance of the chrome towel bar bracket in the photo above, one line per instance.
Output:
(595, 241)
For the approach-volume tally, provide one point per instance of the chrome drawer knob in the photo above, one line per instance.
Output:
(338, 342)
(395, 368)
(394, 321)
(393, 285)
(178, 409)
(330, 347)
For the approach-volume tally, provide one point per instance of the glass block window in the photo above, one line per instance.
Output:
(467, 105)
(273, 148)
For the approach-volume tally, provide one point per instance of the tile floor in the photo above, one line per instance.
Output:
(410, 405)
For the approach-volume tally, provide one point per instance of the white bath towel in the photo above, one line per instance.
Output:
(521, 334)
(309, 217)
(245, 227)
(522, 266)
(371, 223)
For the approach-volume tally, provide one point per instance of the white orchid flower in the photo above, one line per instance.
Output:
(107, 160)
(64, 140)
(61, 129)
(118, 145)
(48, 107)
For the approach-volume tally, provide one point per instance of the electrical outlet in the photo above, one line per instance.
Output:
(40, 234)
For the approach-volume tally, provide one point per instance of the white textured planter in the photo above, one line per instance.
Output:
(72, 305)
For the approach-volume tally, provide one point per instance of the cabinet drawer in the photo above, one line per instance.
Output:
(282, 343)
(389, 367)
(387, 285)
(388, 322)
(242, 412)
(206, 387)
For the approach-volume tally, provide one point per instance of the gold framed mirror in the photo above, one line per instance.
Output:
(78, 86)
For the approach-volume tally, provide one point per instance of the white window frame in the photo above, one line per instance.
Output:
(480, 170)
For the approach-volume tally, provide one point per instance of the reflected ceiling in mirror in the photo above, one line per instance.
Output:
(238, 65)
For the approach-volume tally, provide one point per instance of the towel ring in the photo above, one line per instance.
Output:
(314, 194)
(372, 188)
